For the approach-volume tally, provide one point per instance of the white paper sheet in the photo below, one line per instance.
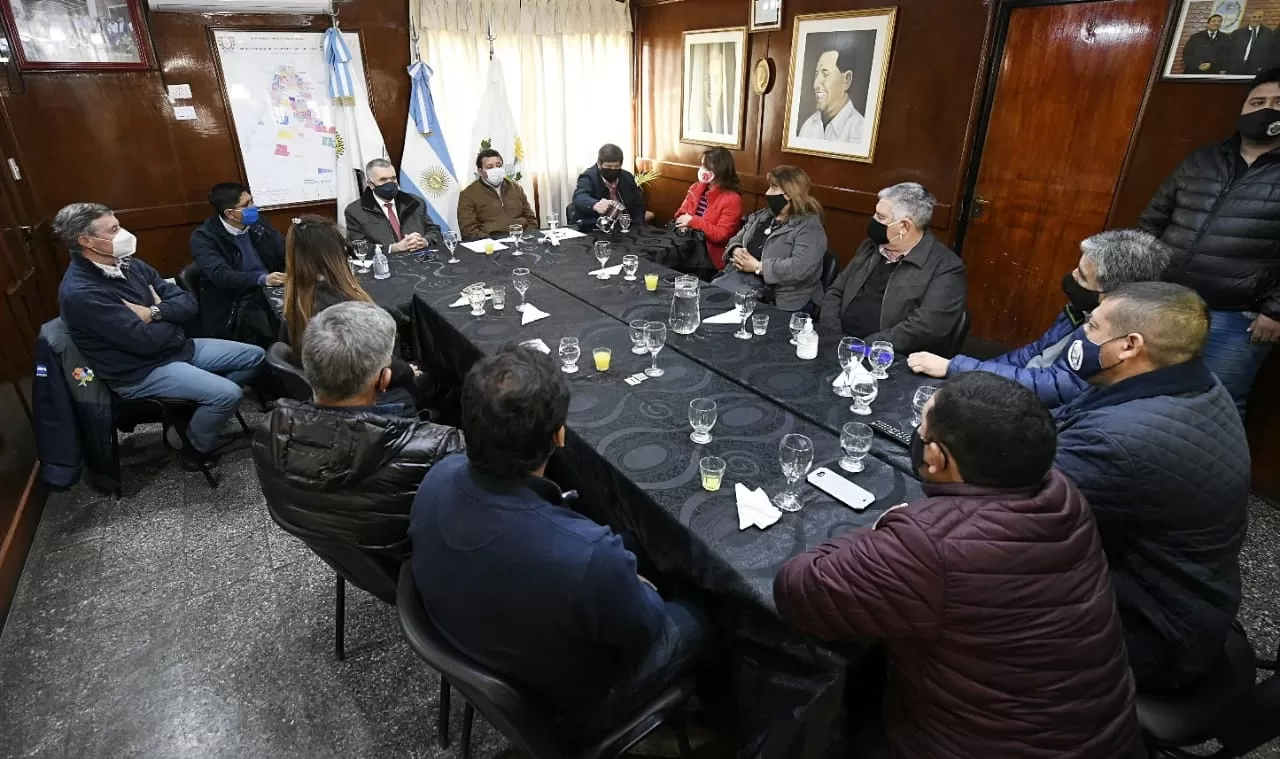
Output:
(478, 246)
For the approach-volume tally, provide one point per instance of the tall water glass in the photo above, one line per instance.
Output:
(602, 255)
(570, 352)
(638, 344)
(795, 454)
(520, 280)
(655, 336)
(702, 417)
(553, 221)
(451, 242)
(745, 302)
(847, 354)
(517, 234)
(881, 355)
(918, 402)
(798, 320)
(863, 389)
(855, 440)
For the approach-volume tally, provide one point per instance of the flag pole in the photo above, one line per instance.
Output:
(489, 35)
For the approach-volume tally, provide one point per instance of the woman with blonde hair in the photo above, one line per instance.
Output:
(780, 248)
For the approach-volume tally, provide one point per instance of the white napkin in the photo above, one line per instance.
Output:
(462, 299)
(477, 246)
(728, 317)
(531, 314)
(611, 271)
(537, 344)
(755, 508)
(843, 379)
(562, 233)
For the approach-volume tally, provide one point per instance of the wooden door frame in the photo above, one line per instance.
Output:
(995, 55)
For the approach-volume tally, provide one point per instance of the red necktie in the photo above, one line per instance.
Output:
(395, 220)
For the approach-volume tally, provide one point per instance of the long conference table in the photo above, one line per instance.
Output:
(629, 456)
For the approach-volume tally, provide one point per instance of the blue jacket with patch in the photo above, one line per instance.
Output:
(73, 418)
(1040, 366)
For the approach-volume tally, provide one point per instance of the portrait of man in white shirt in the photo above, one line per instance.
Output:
(835, 117)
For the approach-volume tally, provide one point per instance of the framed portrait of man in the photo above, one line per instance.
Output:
(1223, 40)
(835, 86)
(713, 82)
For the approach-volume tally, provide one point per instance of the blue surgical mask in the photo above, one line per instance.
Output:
(1084, 356)
(249, 215)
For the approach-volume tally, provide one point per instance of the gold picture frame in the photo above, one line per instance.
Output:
(838, 116)
(713, 82)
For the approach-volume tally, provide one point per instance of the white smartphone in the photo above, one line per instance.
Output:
(840, 489)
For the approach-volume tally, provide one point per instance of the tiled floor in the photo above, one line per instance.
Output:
(181, 622)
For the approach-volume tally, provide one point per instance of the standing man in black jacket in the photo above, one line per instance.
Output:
(238, 253)
(1207, 51)
(1221, 211)
(1250, 47)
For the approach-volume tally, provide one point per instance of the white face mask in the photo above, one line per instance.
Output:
(123, 245)
(494, 176)
(705, 175)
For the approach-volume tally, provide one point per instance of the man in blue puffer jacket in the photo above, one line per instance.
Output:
(1108, 260)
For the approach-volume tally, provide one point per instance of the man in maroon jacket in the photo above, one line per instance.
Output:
(991, 594)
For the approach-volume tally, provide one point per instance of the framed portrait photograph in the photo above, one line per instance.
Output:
(713, 84)
(1224, 40)
(835, 86)
(765, 15)
(50, 35)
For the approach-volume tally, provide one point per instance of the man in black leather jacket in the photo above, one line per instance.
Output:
(1221, 212)
(343, 469)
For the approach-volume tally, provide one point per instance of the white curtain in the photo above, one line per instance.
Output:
(568, 72)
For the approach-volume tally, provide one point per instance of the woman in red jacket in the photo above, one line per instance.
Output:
(714, 204)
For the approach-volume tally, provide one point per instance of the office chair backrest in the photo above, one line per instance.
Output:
(281, 361)
(189, 279)
(372, 570)
(959, 333)
(830, 269)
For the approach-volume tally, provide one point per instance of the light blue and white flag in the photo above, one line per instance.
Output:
(426, 170)
(496, 128)
(357, 139)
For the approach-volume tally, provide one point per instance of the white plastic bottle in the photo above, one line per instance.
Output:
(807, 342)
(381, 269)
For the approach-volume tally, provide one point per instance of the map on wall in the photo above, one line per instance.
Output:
(276, 85)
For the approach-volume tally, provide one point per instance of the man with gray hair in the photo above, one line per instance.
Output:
(1108, 260)
(125, 318)
(903, 285)
(388, 216)
(345, 467)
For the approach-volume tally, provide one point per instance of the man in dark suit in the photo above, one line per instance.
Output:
(1250, 47)
(604, 187)
(386, 215)
(238, 253)
(1208, 51)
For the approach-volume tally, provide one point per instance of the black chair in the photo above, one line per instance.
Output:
(830, 269)
(1198, 712)
(521, 719)
(170, 413)
(960, 333)
(189, 279)
(281, 361)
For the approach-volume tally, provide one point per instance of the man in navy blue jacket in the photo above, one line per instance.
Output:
(522, 584)
(605, 186)
(1108, 260)
(238, 253)
(124, 317)
(1159, 451)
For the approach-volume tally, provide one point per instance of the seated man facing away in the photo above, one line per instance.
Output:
(1157, 447)
(123, 316)
(903, 285)
(343, 466)
(388, 216)
(238, 253)
(492, 203)
(607, 189)
(1107, 261)
(527, 587)
(991, 594)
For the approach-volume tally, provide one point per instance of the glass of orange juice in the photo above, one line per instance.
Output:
(651, 282)
(602, 356)
(712, 469)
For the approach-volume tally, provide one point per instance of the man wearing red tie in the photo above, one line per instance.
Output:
(384, 215)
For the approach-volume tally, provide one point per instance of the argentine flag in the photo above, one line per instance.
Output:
(357, 138)
(425, 168)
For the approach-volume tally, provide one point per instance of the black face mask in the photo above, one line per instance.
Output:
(878, 233)
(1260, 126)
(1081, 297)
(387, 190)
(610, 175)
(776, 203)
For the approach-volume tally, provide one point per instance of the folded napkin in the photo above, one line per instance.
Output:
(728, 317)
(755, 508)
(843, 379)
(563, 233)
(531, 314)
(537, 344)
(462, 299)
(610, 270)
(478, 246)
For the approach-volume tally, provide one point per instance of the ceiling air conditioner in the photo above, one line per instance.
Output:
(243, 6)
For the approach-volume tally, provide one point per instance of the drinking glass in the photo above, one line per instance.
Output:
(499, 298)
(638, 344)
(855, 439)
(795, 453)
(520, 279)
(624, 221)
(629, 265)
(760, 324)
(849, 351)
(863, 388)
(655, 336)
(602, 357)
(451, 242)
(605, 224)
(881, 356)
(918, 401)
(702, 417)
(745, 302)
(601, 250)
(570, 352)
(361, 249)
(553, 221)
(476, 297)
(712, 469)
(798, 320)
(517, 234)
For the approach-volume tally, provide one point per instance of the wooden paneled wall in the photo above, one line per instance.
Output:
(111, 137)
(926, 124)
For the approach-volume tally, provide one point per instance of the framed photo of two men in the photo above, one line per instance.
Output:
(1223, 40)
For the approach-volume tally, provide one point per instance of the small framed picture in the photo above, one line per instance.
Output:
(714, 80)
(52, 35)
(765, 15)
(1223, 40)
